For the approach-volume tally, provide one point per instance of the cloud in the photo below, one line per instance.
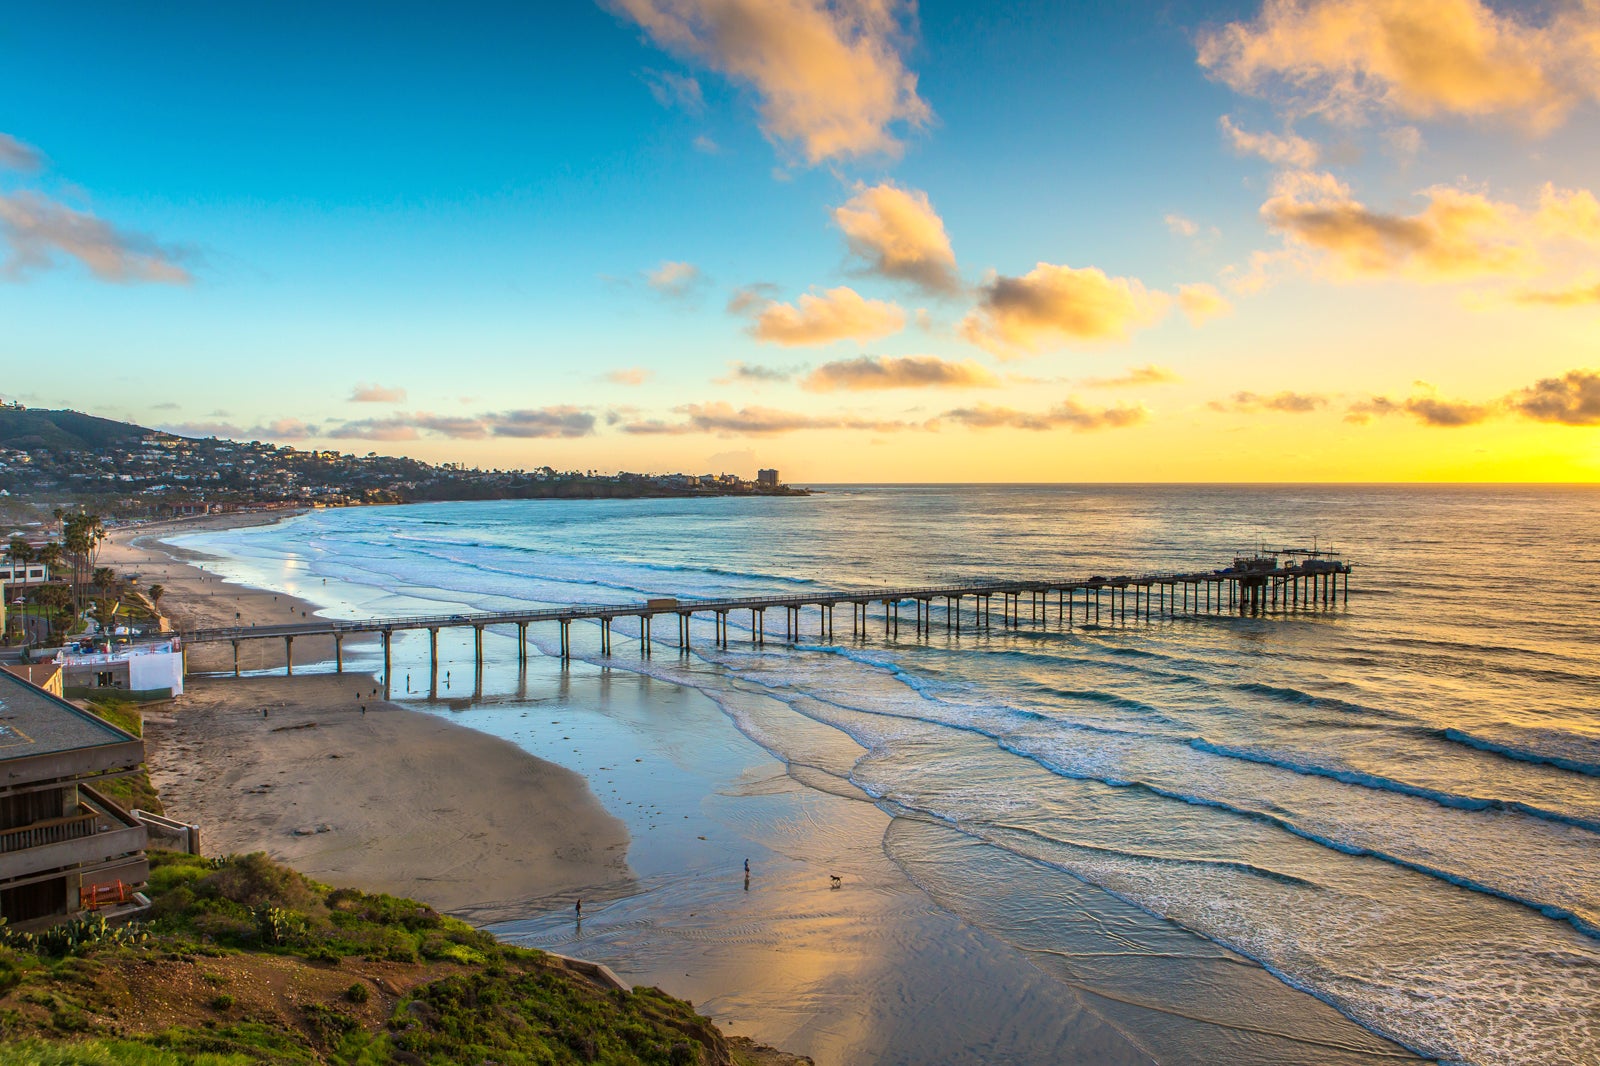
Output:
(675, 280)
(1202, 302)
(1458, 235)
(704, 142)
(676, 90)
(1052, 304)
(890, 372)
(561, 421)
(1569, 213)
(1284, 402)
(1068, 414)
(633, 375)
(1181, 226)
(1429, 410)
(744, 373)
(1571, 400)
(1577, 296)
(167, 405)
(724, 419)
(1139, 375)
(1287, 150)
(36, 229)
(558, 421)
(1418, 58)
(199, 430)
(281, 429)
(900, 235)
(829, 78)
(376, 394)
(751, 296)
(834, 315)
(15, 155)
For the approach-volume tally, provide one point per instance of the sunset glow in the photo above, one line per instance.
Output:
(857, 240)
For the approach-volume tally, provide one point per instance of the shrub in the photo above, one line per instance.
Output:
(222, 1002)
(357, 993)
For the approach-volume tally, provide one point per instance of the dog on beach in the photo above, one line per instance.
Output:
(834, 881)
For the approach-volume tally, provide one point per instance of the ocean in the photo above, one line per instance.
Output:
(1321, 836)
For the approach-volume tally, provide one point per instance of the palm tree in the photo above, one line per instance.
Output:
(51, 555)
(20, 552)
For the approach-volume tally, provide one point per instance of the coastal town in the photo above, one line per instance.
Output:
(127, 471)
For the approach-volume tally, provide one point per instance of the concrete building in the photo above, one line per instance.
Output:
(23, 573)
(63, 846)
(767, 479)
(138, 671)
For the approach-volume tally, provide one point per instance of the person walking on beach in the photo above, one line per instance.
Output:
(578, 909)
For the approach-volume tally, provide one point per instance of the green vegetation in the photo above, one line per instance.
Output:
(135, 790)
(321, 975)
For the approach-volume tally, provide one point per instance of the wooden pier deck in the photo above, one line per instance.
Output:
(1313, 580)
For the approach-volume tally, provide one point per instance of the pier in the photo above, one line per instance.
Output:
(1288, 580)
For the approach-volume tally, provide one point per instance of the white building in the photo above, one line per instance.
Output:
(153, 670)
(23, 573)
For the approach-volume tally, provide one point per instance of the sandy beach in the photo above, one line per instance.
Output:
(388, 800)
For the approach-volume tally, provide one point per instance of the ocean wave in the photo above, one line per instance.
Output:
(1585, 925)
(1454, 800)
(1520, 754)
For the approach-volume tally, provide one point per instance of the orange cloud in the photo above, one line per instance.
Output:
(834, 315)
(376, 394)
(1569, 213)
(1571, 400)
(1576, 296)
(1052, 304)
(35, 229)
(1068, 414)
(1139, 375)
(558, 421)
(726, 420)
(887, 372)
(830, 77)
(633, 375)
(1458, 235)
(1421, 58)
(1202, 302)
(1429, 410)
(1295, 403)
(674, 279)
(900, 235)
(1287, 150)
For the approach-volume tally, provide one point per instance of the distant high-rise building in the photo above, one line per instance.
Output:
(767, 479)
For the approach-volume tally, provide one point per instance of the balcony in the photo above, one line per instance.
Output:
(97, 832)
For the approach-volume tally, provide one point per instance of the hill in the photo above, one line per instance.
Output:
(62, 432)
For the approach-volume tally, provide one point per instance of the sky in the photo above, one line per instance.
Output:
(858, 240)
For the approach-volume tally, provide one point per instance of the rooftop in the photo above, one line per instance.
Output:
(33, 723)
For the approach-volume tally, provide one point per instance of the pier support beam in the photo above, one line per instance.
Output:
(522, 642)
(236, 658)
(288, 656)
(386, 662)
(338, 653)
(566, 640)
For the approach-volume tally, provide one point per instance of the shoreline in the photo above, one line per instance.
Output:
(387, 800)
(863, 974)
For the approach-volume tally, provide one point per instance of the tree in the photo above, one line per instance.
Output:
(104, 578)
(82, 534)
(51, 556)
(20, 552)
(155, 593)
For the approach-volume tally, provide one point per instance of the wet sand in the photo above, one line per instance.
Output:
(389, 800)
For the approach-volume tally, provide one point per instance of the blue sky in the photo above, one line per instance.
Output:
(465, 205)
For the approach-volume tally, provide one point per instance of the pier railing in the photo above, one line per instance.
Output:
(1243, 589)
